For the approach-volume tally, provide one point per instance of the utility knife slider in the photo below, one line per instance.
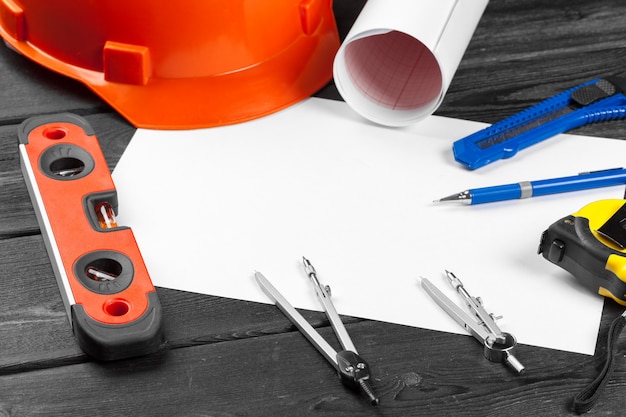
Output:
(591, 245)
(598, 100)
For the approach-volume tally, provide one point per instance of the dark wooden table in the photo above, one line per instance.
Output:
(228, 357)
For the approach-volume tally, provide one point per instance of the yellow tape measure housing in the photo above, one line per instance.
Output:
(591, 245)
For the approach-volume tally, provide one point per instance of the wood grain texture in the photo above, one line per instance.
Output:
(280, 374)
(225, 357)
(29, 89)
(525, 51)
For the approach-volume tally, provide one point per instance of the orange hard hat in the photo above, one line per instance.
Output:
(181, 64)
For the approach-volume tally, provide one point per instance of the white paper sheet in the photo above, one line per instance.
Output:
(209, 207)
(399, 57)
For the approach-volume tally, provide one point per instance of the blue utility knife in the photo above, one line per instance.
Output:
(595, 101)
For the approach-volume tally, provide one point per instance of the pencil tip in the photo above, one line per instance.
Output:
(462, 197)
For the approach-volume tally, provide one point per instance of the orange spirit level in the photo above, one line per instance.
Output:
(109, 297)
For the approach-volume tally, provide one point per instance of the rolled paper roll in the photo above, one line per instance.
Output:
(400, 56)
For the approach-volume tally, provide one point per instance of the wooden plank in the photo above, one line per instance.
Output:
(281, 374)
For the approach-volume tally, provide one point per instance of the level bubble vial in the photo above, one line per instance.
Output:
(106, 215)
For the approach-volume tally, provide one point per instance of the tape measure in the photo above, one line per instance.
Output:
(108, 295)
(591, 245)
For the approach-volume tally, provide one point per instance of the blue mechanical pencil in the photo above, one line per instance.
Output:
(526, 189)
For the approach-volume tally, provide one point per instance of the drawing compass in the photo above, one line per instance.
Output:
(499, 346)
(352, 369)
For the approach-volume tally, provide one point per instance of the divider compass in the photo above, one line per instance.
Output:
(352, 369)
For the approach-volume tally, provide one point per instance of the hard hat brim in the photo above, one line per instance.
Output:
(221, 99)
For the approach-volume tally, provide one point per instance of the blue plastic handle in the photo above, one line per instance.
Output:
(543, 120)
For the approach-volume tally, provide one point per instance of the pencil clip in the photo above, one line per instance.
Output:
(498, 346)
